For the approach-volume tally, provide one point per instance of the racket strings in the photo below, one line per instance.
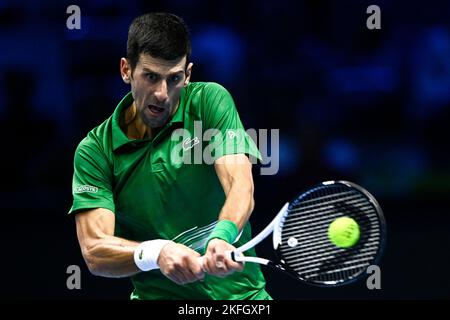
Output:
(305, 247)
(300, 224)
(316, 241)
(323, 248)
(324, 208)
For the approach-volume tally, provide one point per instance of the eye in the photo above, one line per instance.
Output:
(174, 79)
(151, 76)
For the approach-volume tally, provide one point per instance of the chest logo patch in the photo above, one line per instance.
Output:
(190, 143)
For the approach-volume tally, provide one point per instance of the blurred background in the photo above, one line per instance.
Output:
(369, 106)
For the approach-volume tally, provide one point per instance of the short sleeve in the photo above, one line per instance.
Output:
(92, 178)
(226, 132)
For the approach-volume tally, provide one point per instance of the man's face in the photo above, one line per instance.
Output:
(156, 87)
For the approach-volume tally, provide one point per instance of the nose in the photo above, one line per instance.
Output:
(161, 93)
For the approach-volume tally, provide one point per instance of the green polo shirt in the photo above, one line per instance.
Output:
(167, 187)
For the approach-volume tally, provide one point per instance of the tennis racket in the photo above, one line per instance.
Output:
(300, 235)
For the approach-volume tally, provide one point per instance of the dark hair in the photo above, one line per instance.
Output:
(161, 35)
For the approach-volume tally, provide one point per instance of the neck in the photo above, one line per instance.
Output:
(135, 128)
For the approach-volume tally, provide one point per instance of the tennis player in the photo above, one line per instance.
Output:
(141, 214)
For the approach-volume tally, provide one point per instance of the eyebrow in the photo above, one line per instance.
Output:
(159, 75)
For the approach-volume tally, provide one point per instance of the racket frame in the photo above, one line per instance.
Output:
(273, 227)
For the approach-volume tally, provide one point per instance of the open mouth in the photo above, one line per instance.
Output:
(155, 109)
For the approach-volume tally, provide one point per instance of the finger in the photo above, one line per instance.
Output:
(192, 268)
(175, 278)
(182, 273)
(208, 263)
(172, 273)
(185, 274)
(200, 262)
(214, 268)
(215, 265)
(220, 267)
(233, 265)
(236, 266)
(195, 266)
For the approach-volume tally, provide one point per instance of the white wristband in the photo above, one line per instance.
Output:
(146, 254)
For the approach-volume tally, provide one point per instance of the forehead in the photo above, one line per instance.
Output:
(161, 66)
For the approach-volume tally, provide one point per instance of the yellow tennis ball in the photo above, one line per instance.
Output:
(343, 232)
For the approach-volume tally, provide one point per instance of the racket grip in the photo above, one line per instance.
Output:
(230, 255)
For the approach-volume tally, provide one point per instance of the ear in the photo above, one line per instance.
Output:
(125, 70)
(188, 74)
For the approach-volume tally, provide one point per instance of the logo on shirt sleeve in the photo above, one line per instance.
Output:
(86, 188)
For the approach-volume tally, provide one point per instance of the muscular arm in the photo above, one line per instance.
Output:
(110, 256)
(235, 175)
(105, 254)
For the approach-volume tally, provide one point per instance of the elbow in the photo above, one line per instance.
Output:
(94, 268)
(91, 261)
(92, 265)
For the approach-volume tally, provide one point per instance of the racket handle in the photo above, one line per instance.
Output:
(236, 256)
(230, 255)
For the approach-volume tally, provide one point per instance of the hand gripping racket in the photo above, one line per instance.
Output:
(300, 235)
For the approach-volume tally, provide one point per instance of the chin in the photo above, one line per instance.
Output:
(152, 123)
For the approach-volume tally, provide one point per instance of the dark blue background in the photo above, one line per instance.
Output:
(369, 106)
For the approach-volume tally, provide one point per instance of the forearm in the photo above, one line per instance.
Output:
(239, 203)
(237, 209)
(111, 257)
(235, 175)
